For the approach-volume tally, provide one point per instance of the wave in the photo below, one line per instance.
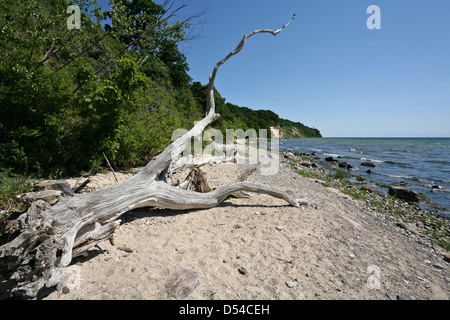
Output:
(428, 183)
(403, 177)
(400, 164)
(331, 155)
(437, 189)
(437, 161)
(367, 159)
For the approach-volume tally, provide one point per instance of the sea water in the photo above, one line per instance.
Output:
(420, 162)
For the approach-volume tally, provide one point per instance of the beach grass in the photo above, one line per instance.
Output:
(12, 185)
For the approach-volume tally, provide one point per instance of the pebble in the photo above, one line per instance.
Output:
(279, 228)
(346, 284)
(126, 249)
(65, 290)
(325, 260)
(244, 239)
(308, 275)
(390, 295)
(242, 270)
(291, 284)
(438, 266)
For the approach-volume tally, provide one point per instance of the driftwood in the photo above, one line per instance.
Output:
(57, 227)
(197, 181)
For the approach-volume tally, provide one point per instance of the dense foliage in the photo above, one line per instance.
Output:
(117, 87)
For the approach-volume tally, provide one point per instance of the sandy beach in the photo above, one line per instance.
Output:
(259, 248)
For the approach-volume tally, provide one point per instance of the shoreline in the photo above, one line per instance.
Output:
(410, 216)
(422, 175)
(331, 248)
(262, 248)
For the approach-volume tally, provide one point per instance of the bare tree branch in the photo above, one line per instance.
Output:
(210, 102)
(52, 234)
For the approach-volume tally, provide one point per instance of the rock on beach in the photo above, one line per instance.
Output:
(368, 164)
(404, 193)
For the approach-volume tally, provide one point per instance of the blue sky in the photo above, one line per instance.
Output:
(327, 69)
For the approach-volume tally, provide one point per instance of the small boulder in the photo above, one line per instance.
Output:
(331, 159)
(404, 193)
(367, 188)
(289, 155)
(368, 164)
(306, 164)
(343, 164)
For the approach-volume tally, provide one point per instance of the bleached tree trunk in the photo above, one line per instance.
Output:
(51, 235)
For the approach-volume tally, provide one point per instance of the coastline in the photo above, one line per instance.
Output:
(335, 248)
(410, 216)
(417, 163)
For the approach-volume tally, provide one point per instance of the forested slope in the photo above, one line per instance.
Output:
(118, 86)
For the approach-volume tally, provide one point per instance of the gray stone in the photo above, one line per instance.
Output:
(406, 226)
(182, 284)
(343, 164)
(390, 295)
(438, 266)
(291, 284)
(404, 193)
(289, 155)
(368, 164)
